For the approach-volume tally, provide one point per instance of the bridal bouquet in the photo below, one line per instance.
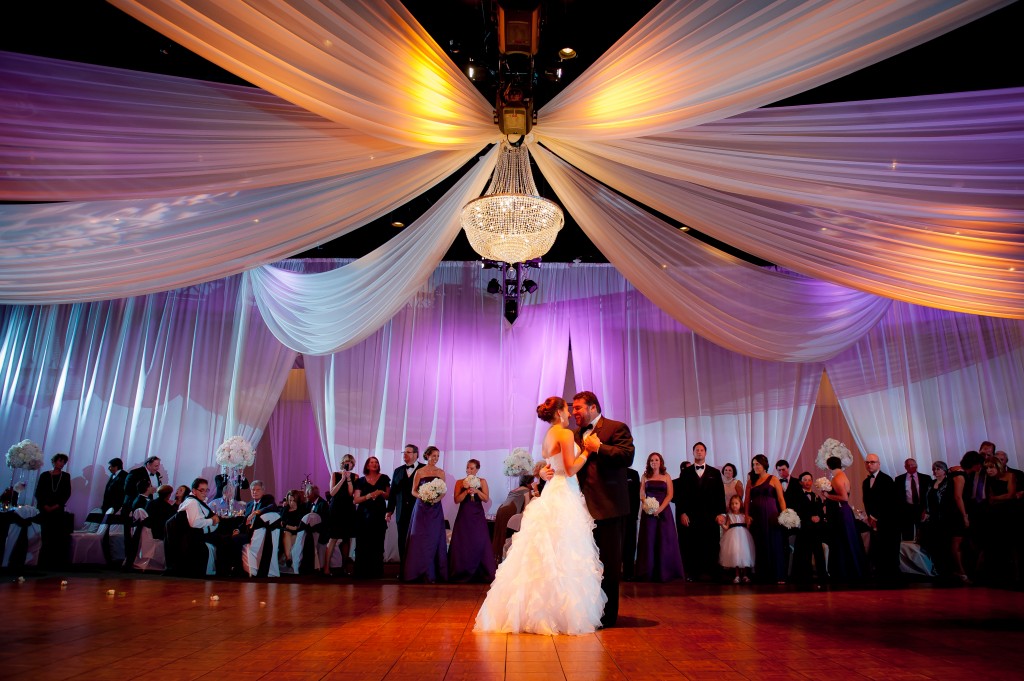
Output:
(823, 485)
(25, 455)
(833, 447)
(432, 492)
(518, 462)
(651, 506)
(471, 482)
(235, 452)
(789, 519)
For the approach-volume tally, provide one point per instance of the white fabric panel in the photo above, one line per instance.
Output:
(73, 252)
(932, 386)
(674, 388)
(329, 311)
(973, 265)
(747, 309)
(688, 63)
(80, 132)
(366, 64)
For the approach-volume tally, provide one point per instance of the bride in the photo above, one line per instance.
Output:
(550, 582)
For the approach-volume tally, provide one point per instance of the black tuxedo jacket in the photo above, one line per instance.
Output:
(136, 483)
(113, 493)
(805, 508)
(264, 505)
(633, 484)
(900, 490)
(603, 477)
(878, 499)
(792, 492)
(401, 500)
(702, 497)
(159, 513)
(320, 507)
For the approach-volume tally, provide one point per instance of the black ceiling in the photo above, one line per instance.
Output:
(983, 55)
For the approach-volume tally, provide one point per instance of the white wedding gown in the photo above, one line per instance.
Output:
(550, 582)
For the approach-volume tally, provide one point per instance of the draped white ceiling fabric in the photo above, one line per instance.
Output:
(688, 63)
(754, 311)
(366, 64)
(93, 250)
(325, 312)
(77, 132)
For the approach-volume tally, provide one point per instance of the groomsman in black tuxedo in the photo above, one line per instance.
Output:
(911, 489)
(401, 500)
(791, 492)
(811, 532)
(630, 526)
(140, 479)
(879, 494)
(113, 493)
(605, 488)
(702, 501)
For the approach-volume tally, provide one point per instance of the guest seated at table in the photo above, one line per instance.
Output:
(142, 501)
(223, 504)
(229, 558)
(291, 519)
(202, 523)
(160, 509)
(179, 496)
(513, 504)
(316, 503)
(52, 494)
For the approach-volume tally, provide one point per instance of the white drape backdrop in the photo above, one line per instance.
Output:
(932, 385)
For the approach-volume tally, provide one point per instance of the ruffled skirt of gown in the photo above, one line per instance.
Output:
(550, 582)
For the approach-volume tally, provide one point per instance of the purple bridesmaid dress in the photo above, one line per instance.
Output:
(426, 556)
(657, 552)
(470, 556)
(770, 556)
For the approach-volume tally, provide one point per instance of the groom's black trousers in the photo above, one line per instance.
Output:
(608, 537)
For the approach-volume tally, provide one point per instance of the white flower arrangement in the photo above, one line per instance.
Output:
(25, 455)
(235, 452)
(651, 506)
(518, 462)
(789, 519)
(832, 447)
(823, 485)
(471, 482)
(433, 491)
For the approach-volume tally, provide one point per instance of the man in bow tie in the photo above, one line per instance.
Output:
(808, 554)
(702, 500)
(879, 495)
(401, 500)
(140, 479)
(791, 492)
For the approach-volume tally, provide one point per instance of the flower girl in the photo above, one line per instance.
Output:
(737, 543)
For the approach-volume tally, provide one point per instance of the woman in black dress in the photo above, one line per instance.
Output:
(291, 518)
(371, 498)
(341, 519)
(52, 494)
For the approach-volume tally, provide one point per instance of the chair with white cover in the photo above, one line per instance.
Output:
(308, 536)
(337, 559)
(256, 562)
(150, 554)
(23, 541)
(87, 543)
(514, 523)
(116, 540)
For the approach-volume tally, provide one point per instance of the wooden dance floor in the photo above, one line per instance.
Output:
(170, 629)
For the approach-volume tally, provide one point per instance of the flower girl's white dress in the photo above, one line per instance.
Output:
(550, 582)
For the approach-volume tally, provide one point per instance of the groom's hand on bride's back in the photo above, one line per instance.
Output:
(547, 473)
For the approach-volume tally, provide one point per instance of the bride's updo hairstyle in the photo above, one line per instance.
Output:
(551, 406)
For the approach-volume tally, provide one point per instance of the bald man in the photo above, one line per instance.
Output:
(879, 504)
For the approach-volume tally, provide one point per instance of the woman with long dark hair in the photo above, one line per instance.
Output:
(765, 501)
(371, 498)
(657, 549)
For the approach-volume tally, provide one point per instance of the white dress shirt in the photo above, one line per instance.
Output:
(199, 517)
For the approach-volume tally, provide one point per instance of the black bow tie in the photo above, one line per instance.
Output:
(871, 477)
(699, 468)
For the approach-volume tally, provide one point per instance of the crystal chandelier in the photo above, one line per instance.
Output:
(510, 223)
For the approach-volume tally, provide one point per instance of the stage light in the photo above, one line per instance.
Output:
(493, 286)
(566, 53)
(529, 286)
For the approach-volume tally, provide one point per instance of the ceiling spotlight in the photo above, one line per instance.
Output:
(397, 224)
(566, 53)
(529, 286)
(493, 286)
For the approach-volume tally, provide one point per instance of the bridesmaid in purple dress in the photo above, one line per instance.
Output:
(470, 556)
(657, 554)
(765, 501)
(426, 555)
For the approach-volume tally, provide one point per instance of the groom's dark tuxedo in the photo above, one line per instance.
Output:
(702, 499)
(606, 490)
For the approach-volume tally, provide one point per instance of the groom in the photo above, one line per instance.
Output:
(605, 488)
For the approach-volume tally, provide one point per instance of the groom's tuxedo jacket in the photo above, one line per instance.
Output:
(603, 477)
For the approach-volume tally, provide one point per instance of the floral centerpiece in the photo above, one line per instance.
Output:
(235, 452)
(789, 519)
(26, 455)
(518, 462)
(832, 447)
(471, 482)
(433, 491)
(651, 506)
(823, 485)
